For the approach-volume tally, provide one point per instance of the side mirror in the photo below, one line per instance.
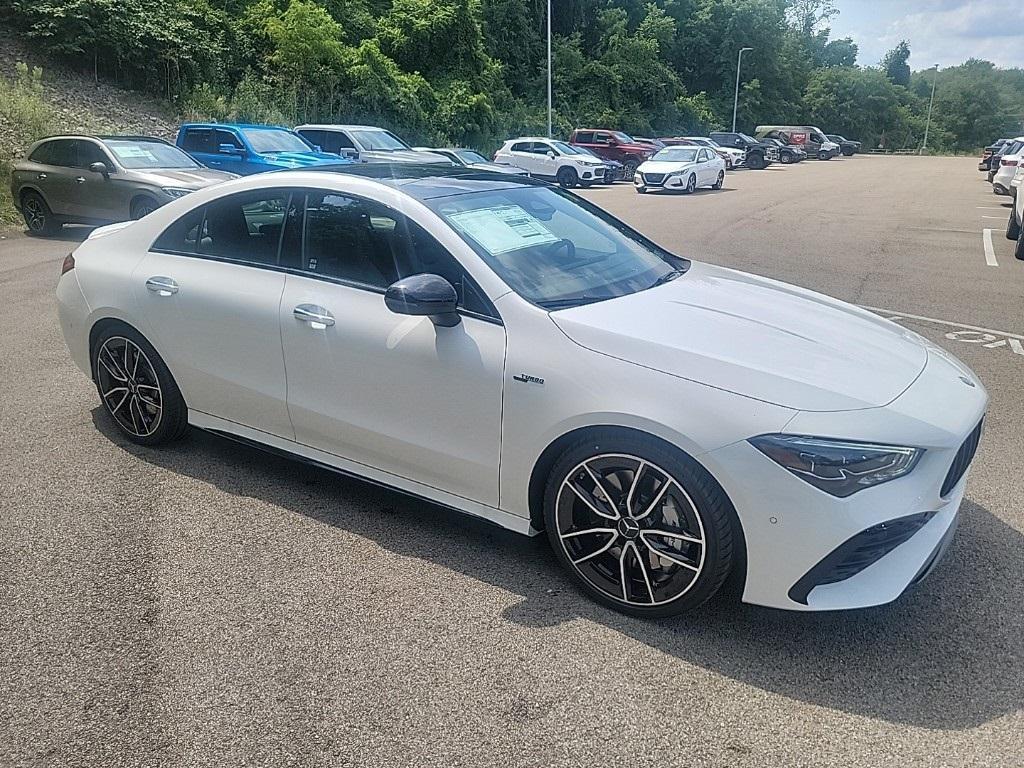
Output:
(230, 149)
(351, 154)
(424, 294)
(551, 154)
(100, 167)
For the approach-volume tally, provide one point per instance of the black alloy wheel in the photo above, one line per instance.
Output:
(38, 216)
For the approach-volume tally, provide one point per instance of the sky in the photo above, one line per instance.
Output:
(943, 32)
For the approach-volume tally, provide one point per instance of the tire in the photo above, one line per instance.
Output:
(674, 495)
(586, 184)
(141, 207)
(786, 159)
(641, 190)
(630, 168)
(135, 387)
(38, 217)
(1012, 225)
(847, 153)
(691, 185)
(1018, 250)
(756, 162)
(567, 178)
(823, 156)
(721, 180)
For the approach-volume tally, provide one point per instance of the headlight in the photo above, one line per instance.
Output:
(175, 191)
(838, 467)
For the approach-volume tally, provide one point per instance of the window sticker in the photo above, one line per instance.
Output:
(503, 228)
(129, 152)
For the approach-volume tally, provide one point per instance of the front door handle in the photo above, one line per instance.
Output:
(80, 179)
(162, 286)
(317, 317)
(40, 176)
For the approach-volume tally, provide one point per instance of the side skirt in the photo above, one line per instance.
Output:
(297, 451)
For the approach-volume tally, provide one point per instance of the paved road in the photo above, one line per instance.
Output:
(210, 605)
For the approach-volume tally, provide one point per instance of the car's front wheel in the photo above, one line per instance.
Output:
(143, 206)
(691, 184)
(38, 217)
(639, 526)
(567, 178)
(756, 162)
(136, 388)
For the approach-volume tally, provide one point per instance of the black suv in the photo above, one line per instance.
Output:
(758, 154)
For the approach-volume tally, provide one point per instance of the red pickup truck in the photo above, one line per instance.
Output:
(613, 145)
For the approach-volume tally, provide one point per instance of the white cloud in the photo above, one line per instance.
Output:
(945, 32)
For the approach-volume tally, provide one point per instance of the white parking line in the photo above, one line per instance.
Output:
(990, 208)
(969, 334)
(990, 251)
(999, 218)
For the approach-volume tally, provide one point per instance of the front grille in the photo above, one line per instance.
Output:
(962, 461)
(654, 178)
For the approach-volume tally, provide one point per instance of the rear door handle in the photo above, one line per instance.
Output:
(162, 286)
(40, 176)
(317, 317)
(80, 179)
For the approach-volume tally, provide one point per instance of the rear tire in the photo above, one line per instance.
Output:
(38, 217)
(567, 178)
(1018, 250)
(636, 568)
(135, 387)
(1012, 225)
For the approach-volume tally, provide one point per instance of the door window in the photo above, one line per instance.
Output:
(245, 227)
(585, 137)
(522, 146)
(371, 245)
(89, 153)
(58, 152)
(198, 140)
(335, 141)
(225, 137)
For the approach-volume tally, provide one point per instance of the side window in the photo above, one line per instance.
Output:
(221, 136)
(540, 148)
(43, 153)
(364, 242)
(183, 235)
(585, 137)
(522, 146)
(89, 153)
(341, 140)
(197, 140)
(602, 138)
(316, 138)
(62, 153)
(246, 227)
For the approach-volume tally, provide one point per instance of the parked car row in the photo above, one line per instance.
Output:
(104, 179)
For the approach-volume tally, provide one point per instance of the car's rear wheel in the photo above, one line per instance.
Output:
(567, 178)
(1018, 250)
(136, 388)
(847, 153)
(640, 527)
(1012, 225)
(143, 206)
(37, 214)
(721, 180)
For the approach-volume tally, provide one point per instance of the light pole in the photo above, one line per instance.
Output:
(928, 122)
(549, 69)
(736, 98)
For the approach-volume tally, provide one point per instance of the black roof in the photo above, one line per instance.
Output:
(430, 180)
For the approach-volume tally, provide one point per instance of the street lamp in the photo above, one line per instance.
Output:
(736, 98)
(928, 122)
(549, 69)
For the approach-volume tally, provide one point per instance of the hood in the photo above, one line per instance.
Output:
(664, 166)
(403, 156)
(302, 159)
(497, 168)
(756, 337)
(185, 178)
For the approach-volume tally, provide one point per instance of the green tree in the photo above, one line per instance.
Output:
(895, 64)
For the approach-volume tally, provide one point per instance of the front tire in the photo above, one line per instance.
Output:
(691, 184)
(142, 207)
(630, 168)
(136, 388)
(786, 159)
(567, 178)
(640, 527)
(824, 155)
(38, 217)
(756, 162)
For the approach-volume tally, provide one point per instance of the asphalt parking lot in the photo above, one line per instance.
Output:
(208, 604)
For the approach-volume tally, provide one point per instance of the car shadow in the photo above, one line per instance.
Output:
(69, 233)
(947, 655)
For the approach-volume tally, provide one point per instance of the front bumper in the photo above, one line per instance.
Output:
(659, 181)
(791, 527)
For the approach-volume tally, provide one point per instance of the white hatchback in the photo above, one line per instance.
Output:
(503, 347)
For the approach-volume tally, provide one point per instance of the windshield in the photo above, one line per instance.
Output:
(676, 155)
(554, 249)
(378, 140)
(149, 154)
(267, 140)
(748, 139)
(566, 149)
(469, 156)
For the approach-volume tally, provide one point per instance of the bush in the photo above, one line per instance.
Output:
(24, 117)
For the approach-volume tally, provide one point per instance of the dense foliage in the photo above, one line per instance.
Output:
(473, 71)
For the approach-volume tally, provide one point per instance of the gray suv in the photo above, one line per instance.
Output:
(102, 179)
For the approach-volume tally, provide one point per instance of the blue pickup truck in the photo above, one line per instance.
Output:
(246, 149)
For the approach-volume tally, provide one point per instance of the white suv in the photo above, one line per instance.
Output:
(551, 159)
(1002, 182)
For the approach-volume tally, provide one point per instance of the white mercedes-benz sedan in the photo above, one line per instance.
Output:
(503, 347)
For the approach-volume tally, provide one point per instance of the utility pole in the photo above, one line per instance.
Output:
(928, 122)
(549, 69)
(736, 98)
